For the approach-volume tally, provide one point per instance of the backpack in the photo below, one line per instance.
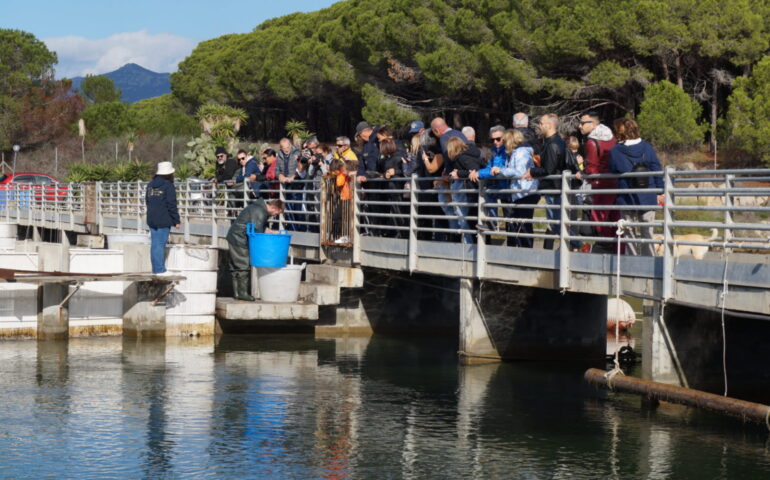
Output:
(640, 182)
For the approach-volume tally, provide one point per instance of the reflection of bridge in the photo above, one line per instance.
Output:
(396, 228)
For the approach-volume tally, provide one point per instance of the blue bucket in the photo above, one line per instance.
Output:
(267, 249)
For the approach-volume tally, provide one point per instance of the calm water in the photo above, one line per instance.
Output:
(296, 407)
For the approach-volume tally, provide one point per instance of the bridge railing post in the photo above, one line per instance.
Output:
(355, 230)
(667, 282)
(282, 196)
(728, 231)
(138, 206)
(481, 240)
(412, 247)
(564, 252)
(186, 203)
(212, 212)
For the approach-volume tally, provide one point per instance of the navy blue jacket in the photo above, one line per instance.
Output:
(622, 160)
(370, 155)
(161, 204)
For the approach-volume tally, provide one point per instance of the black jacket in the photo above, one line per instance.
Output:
(161, 204)
(470, 159)
(552, 162)
(226, 171)
(370, 155)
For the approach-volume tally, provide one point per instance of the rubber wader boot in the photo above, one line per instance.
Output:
(241, 286)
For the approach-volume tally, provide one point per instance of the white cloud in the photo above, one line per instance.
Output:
(79, 56)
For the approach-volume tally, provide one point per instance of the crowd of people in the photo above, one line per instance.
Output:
(515, 169)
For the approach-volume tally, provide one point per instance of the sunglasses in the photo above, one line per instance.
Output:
(241, 158)
(497, 139)
(341, 145)
(587, 121)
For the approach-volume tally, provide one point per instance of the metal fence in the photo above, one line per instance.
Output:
(695, 203)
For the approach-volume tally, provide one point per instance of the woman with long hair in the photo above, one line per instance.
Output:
(520, 159)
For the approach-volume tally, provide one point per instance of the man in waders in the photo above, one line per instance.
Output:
(257, 213)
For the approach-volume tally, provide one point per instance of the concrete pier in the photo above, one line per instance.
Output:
(687, 347)
(503, 321)
(53, 318)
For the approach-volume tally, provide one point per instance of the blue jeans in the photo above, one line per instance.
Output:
(158, 239)
(460, 223)
(555, 228)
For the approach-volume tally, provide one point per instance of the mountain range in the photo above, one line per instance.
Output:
(135, 82)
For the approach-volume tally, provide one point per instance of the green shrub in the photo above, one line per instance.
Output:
(749, 112)
(668, 117)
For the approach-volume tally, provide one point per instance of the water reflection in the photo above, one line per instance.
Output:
(299, 407)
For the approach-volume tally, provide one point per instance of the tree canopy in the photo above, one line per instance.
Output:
(390, 60)
(34, 107)
(99, 89)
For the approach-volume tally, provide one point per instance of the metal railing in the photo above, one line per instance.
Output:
(733, 202)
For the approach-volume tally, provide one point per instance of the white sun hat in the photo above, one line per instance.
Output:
(165, 168)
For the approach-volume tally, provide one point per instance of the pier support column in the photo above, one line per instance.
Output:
(504, 321)
(660, 362)
(689, 347)
(53, 318)
(476, 345)
(143, 317)
(347, 318)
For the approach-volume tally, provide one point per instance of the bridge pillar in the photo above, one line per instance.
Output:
(660, 362)
(143, 317)
(52, 311)
(504, 321)
(53, 317)
(688, 346)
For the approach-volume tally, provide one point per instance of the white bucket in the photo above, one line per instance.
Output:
(280, 285)
(186, 258)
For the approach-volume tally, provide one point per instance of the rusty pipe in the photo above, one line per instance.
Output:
(747, 411)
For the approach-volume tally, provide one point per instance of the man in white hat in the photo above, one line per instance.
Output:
(162, 214)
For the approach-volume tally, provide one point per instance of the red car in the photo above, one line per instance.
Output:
(40, 185)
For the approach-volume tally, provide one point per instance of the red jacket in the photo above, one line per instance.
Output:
(597, 162)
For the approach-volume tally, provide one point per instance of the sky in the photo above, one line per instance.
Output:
(99, 36)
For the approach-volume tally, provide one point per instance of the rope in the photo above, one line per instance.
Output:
(616, 369)
(723, 299)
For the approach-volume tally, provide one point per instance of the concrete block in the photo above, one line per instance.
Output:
(350, 319)
(143, 319)
(319, 293)
(232, 309)
(52, 320)
(90, 241)
(136, 257)
(53, 257)
(343, 277)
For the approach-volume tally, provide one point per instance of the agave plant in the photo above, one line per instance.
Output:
(211, 114)
(297, 131)
(133, 171)
(184, 170)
